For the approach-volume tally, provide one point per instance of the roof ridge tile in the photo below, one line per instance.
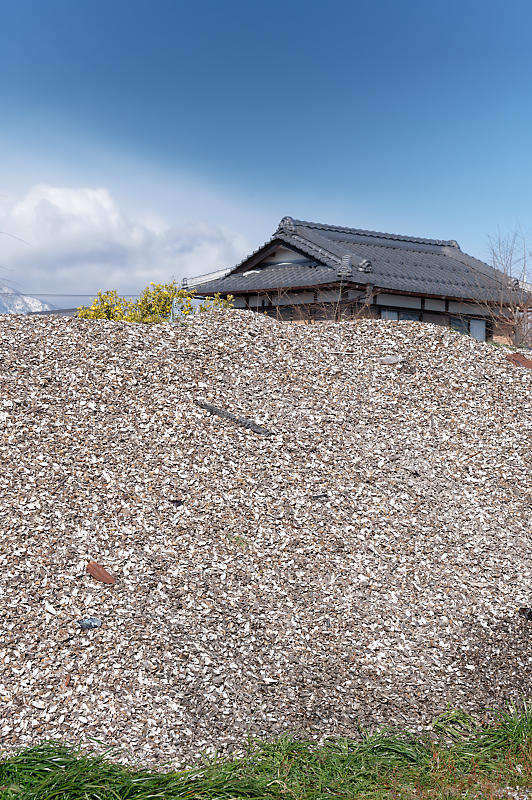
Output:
(290, 225)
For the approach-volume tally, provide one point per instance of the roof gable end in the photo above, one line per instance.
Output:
(303, 250)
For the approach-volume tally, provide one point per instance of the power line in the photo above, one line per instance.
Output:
(55, 294)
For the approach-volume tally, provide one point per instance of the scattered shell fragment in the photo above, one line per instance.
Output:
(390, 360)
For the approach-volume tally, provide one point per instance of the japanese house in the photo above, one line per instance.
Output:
(308, 271)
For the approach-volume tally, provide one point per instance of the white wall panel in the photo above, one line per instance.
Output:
(434, 305)
(328, 296)
(284, 254)
(398, 300)
(467, 308)
(293, 298)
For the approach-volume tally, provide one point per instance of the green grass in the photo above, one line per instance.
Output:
(462, 759)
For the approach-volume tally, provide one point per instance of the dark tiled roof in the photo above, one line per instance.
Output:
(273, 277)
(398, 263)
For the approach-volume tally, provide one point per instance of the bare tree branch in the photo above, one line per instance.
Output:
(510, 309)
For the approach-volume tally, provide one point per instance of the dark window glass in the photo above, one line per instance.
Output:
(459, 324)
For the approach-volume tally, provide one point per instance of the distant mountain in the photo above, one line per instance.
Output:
(12, 302)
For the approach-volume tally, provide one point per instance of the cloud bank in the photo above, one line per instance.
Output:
(77, 240)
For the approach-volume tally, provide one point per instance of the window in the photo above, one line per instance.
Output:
(474, 327)
(387, 313)
(460, 325)
(477, 329)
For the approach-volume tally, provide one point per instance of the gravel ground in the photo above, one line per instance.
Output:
(361, 565)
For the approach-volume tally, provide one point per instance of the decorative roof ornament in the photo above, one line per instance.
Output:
(345, 268)
(365, 265)
(286, 225)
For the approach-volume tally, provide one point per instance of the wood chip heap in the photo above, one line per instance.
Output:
(362, 565)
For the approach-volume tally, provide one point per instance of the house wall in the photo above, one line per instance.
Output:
(398, 300)
(283, 255)
(328, 296)
(293, 298)
(435, 319)
(326, 304)
(471, 309)
(432, 304)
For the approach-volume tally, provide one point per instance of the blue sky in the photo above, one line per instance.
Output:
(158, 139)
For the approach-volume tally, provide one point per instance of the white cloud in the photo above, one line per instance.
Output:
(78, 240)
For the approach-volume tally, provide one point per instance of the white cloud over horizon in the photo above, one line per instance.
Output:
(78, 240)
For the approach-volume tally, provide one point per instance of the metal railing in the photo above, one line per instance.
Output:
(188, 283)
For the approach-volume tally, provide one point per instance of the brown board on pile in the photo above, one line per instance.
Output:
(99, 573)
(520, 360)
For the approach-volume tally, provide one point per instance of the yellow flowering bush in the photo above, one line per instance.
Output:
(217, 301)
(153, 305)
(106, 305)
(155, 302)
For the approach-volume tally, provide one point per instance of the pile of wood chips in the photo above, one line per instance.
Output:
(362, 564)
